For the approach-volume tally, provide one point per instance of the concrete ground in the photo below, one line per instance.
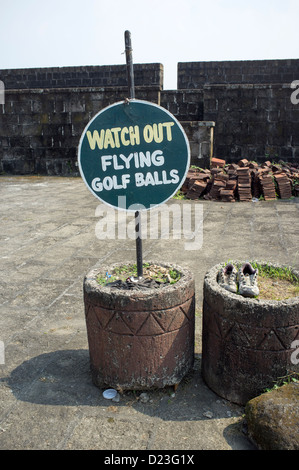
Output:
(48, 243)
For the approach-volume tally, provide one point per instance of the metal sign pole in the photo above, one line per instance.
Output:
(129, 60)
(131, 88)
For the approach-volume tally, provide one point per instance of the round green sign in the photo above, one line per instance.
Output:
(134, 155)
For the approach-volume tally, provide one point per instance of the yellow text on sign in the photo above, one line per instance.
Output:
(117, 136)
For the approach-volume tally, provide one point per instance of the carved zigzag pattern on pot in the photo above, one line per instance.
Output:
(259, 338)
(146, 323)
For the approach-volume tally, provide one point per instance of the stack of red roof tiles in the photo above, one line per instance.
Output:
(242, 181)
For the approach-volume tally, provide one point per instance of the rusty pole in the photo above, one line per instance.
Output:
(131, 89)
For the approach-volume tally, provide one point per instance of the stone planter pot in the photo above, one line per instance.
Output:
(140, 339)
(246, 343)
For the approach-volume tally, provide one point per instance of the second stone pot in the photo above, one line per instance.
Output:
(247, 344)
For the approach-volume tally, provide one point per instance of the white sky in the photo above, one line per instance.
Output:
(60, 33)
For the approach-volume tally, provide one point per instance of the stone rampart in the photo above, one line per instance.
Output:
(251, 103)
(194, 75)
(254, 121)
(81, 76)
(40, 129)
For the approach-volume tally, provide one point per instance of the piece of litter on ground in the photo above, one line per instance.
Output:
(116, 399)
(144, 397)
(109, 393)
(208, 414)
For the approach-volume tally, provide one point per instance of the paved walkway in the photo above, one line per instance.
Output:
(48, 243)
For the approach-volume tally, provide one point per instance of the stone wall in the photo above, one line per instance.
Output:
(40, 129)
(245, 105)
(197, 74)
(85, 76)
(257, 122)
(188, 107)
(250, 102)
(185, 105)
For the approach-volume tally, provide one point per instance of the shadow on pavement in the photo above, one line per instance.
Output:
(63, 378)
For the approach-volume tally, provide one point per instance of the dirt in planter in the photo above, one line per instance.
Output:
(276, 283)
(276, 289)
(125, 277)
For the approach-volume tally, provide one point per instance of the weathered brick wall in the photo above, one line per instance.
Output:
(257, 122)
(85, 76)
(40, 129)
(197, 74)
(185, 105)
(250, 102)
(46, 110)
